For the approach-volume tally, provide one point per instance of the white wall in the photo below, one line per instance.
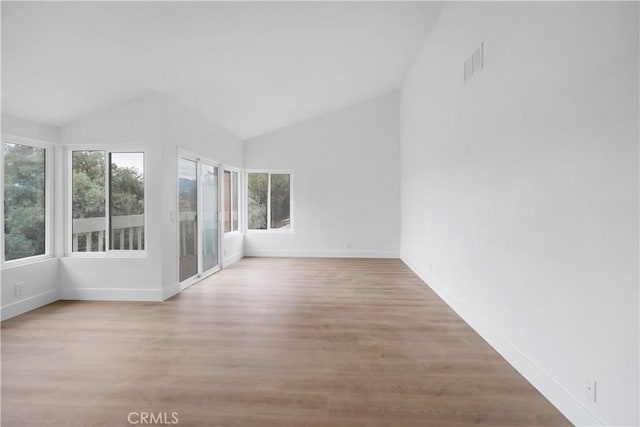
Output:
(136, 123)
(345, 182)
(40, 279)
(159, 125)
(520, 190)
(28, 129)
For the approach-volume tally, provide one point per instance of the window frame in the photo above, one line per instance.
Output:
(108, 149)
(49, 210)
(269, 172)
(232, 169)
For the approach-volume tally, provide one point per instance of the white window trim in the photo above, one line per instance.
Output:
(50, 154)
(238, 232)
(269, 230)
(107, 148)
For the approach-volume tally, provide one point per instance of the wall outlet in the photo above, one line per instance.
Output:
(18, 289)
(348, 245)
(430, 267)
(591, 389)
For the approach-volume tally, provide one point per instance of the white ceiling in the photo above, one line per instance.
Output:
(250, 67)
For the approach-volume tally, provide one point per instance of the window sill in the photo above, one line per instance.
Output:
(109, 255)
(7, 265)
(272, 231)
(232, 234)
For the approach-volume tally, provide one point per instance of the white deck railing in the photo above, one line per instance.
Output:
(125, 229)
(128, 231)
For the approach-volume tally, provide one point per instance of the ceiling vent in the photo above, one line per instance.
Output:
(474, 64)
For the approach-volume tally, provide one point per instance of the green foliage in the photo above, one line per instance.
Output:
(127, 187)
(24, 201)
(258, 196)
(280, 192)
(88, 184)
(24, 194)
(257, 201)
(127, 191)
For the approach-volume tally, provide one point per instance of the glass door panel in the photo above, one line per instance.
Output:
(188, 208)
(209, 178)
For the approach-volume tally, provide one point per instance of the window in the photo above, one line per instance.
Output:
(107, 202)
(230, 192)
(25, 201)
(269, 201)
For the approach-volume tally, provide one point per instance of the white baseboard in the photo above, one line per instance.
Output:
(31, 303)
(322, 254)
(564, 401)
(231, 259)
(111, 294)
(170, 291)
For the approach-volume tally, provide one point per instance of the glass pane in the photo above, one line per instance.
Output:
(188, 203)
(24, 201)
(234, 201)
(227, 201)
(126, 202)
(257, 201)
(88, 201)
(280, 191)
(209, 213)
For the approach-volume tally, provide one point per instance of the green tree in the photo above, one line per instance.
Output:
(88, 184)
(127, 187)
(280, 204)
(127, 191)
(257, 201)
(24, 201)
(24, 195)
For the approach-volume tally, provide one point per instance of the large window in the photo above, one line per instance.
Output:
(269, 200)
(25, 201)
(231, 222)
(107, 202)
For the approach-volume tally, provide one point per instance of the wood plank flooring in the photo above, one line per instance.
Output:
(267, 342)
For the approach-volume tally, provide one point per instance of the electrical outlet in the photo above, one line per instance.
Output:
(348, 245)
(430, 267)
(18, 289)
(591, 388)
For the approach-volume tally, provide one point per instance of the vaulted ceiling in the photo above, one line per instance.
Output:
(250, 67)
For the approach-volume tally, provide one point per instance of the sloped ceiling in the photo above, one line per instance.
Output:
(250, 67)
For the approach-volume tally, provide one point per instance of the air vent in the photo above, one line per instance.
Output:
(474, 64)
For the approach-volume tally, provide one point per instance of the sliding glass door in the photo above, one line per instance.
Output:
(198, 201)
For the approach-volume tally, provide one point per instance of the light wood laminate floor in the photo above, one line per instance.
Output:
(266, 342)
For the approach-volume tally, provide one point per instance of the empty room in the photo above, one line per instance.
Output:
(320, 213)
